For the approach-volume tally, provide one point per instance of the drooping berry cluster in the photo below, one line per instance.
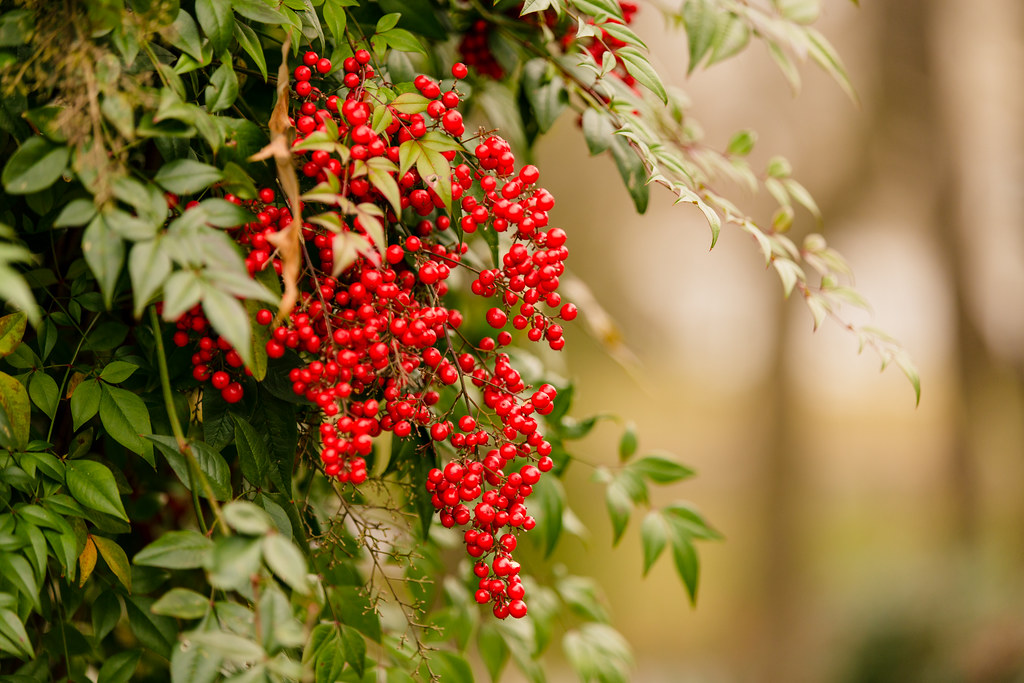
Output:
(375, 344)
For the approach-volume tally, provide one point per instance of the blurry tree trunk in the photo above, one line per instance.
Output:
(980, 48)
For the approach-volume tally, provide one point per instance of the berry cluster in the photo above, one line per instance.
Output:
(475, 47)
(374, 344)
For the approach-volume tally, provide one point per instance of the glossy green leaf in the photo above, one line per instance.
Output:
(250, 42)
(182, 603)
(117, 371)
(85, 402)
(183, 549)
(357, 611)
(43, 391)
(92, 484)
(257, 10)
(597, 652)
(182, 290)
(36, 165)
(184, 35)
(187, 176)
(120, 667)
(742, 143)
(126, 419)
(217, 21)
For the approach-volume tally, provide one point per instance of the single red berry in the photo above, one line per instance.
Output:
(362, 56)
(303, 73)
(459, 70)
(496, 318)
(323, 66)
(309, 59)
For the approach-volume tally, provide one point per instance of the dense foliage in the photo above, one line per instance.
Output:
(284, 289)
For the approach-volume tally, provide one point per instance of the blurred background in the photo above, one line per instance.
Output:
(865, 539)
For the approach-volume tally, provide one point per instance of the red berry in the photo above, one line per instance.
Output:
(459, 70)
(309, 59)
(323, 66)
(496, 318)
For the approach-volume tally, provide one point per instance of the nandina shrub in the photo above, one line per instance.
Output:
(280, 324)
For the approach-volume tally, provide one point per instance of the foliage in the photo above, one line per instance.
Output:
(265, 285)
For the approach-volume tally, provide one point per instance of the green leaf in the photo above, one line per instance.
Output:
(222, 213)
(700, 18)
(640, 68)
(116, 559)
(653, 537)
(686, 522)
(632, 171)
(92, 484)
(187, 176)
(253, 454)
(210, 462)
(119, 668)
(153, 631)
(732, 36)
(687, 566)
(14, 632)
(117, 371)
(184, 549)
(492, 648)
(581, 594)
(247, 518)
(181, 603)
(400, 39)
(436, 173)
(620, 507)
(628, 442)
(387, 22)
(104, 252)
(35, 166)
(229, 646)
(336, 19)
(250, 42)
(182, 291)
(15, 27)
(548, 503)
(16, 570)
(106, 612)
(85, 402)
(448, 667)
(217, 21)
(546, 93)
(184, 35)
(229, 319)
(598, 652)
(660, 469)
(233, 563)
(257, 10)
(287, 562)
(126, 419)
(223, 89)
(43, 391)
(76, 212)
(12, 329)
(357, 611)
(742, 143)
(380, 172)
